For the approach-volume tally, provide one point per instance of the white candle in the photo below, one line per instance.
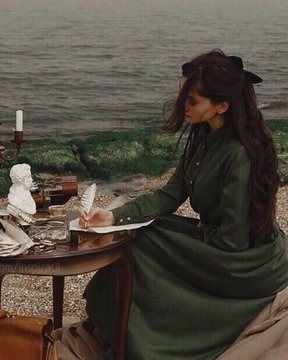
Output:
(19, 120)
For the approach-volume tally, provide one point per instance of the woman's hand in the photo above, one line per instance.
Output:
(96, 217)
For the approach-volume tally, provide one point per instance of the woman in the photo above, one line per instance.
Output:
(197, 284)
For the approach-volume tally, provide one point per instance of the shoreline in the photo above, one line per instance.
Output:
(110, 156)
(82, 136)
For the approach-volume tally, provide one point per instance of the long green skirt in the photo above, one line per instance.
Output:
(190, 299)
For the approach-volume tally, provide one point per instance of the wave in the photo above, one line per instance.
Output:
(96, 56)
(274, 105)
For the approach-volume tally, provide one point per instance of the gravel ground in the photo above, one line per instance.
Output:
(33, 295)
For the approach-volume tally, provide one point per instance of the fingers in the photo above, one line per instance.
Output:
(83, 219)
(82, 214)
(81, 222)
(92, 213)
(86, 220)
(85, 224)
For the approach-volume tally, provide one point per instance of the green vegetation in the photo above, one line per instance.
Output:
(279, 131)
(48, 156)
(114, 154)
(108, 155)
(5, 182)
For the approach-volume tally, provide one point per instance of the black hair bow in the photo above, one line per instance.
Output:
(237, 61)
(187, 68)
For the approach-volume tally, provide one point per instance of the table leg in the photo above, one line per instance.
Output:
(125, 285)
(1, 279)
(58, 291)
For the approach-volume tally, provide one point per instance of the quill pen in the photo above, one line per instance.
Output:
(88, 197)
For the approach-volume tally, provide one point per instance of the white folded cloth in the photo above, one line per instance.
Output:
(13, 241)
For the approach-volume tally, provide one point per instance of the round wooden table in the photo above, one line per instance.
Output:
(82, 253)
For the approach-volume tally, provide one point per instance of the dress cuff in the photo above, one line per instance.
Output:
(121, 218)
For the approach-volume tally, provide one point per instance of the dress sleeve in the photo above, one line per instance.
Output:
(233, 233)
(163, 201)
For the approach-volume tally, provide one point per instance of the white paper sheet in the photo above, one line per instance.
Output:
(106, 229)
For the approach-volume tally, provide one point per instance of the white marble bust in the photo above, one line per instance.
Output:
(19, 197)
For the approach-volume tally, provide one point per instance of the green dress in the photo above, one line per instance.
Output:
(195, 288)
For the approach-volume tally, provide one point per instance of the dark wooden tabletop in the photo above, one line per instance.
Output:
(78, 243)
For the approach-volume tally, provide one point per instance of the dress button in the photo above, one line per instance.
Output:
(121, 220)
(190, 182)
(197, 163)
(128, 218)
(203, 146)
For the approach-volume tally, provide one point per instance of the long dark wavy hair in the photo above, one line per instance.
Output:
(214, 76)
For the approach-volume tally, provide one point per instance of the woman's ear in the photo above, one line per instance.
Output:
(222, 107)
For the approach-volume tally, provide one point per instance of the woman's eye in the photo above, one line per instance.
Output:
(191, 102)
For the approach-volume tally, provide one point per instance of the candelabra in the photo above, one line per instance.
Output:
(18, 138)
(18, 141)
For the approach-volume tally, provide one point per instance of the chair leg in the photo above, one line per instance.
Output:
(58, 291)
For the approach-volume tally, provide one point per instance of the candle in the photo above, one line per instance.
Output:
(19, 120)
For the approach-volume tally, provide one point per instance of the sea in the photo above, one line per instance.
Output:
(76, 67)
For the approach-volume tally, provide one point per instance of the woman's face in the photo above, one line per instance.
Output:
(199, 108)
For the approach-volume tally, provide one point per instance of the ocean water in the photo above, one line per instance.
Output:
(78, 66)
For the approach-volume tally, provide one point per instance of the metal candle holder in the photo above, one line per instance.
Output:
(18, 141)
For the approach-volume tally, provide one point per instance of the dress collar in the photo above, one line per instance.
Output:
(216, 136)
